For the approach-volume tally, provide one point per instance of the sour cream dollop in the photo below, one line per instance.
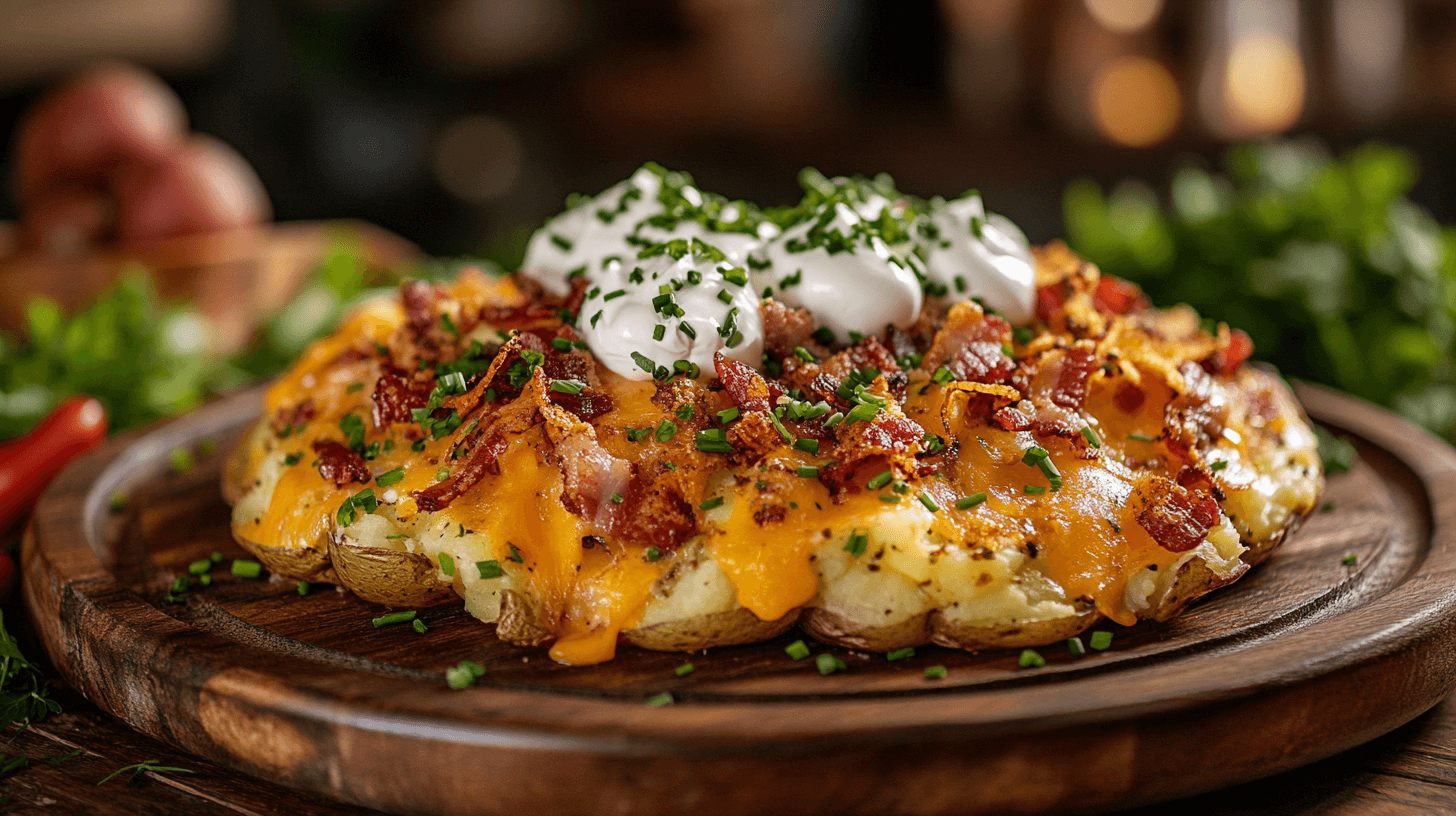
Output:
(980, 255)
(582, 240)
(677, 307)
(847, 277)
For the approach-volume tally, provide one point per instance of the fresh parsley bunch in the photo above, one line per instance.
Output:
(1324, 261)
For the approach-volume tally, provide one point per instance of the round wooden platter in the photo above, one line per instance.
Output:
(1304, 657)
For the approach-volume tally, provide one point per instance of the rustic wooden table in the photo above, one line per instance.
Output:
(1411, 770)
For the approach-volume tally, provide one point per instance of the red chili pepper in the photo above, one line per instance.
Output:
(29, 463)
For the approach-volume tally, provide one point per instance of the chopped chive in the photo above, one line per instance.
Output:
(725, 296)
(857, 543)
(829, 664)
(1074, 645)
(659, 331)
(1140, 438)
(651, 554)
(447, 563)
(1022, 335)
(807, 445)
(797, 650)
(684, 412)
(710, 441)
(929, 503)
(393, 618)
(1349, 560)
(181, 460)
(941, 376)
(419, 626)
(354, 388)
(970, 501)
(728, 415)
(935, 672)
(1034, 456)
(1100, 640)
(613, 295)
(688, 330)
(901, 654)
(644, 362)
(199, 567)
(803, 354)
(442, 474)
(617, 498)
(397, 535)
(247, 569)
(665, 698)
(418, 446)
(709, 504)
(389, 477)
(890, 499)
(1032, 490)
(900, 487)
(1091, 436)
(216, 557)
(833, 419)
(864, 412)
(880, 480)
(303, 587)
(684, 670)
(567, 386)
(808, 471)
(515, 554)
(561, 344)
(205, 579)
(1030, 659)
(1217, 466)
(489, 569)
(665, 430)
(463, 675)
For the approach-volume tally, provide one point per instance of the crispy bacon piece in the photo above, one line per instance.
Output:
(1011, 419)
(654, 512)
(1176, 518)
(483, 459)
(887, 437)
(340, 465)
(590, 475)
(747, 388)
(287, 419)
(970, 345)
(1078, 363)
(1050, 299)
(784, 327)
(395, 395)
(419, 299)
(1128, 398)
(1226, 361)
(1119, 297)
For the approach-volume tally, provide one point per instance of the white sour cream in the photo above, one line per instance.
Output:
(584, 238)
(995, 266)
(862, 288)
(619, 318)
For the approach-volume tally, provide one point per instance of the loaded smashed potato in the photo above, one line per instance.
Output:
(954, 479)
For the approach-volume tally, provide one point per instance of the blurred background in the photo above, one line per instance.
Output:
(1280, 164)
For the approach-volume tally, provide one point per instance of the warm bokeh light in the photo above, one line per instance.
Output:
(1135, 102)
(1369, 38)
(1264, 84)
(1124, 16)
(478, 158)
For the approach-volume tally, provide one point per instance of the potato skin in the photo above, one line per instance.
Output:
(238, 467)
(1010, 635)
(840, 630)
(520, 622)
(731, 628)
(302, 563)
(386, 576)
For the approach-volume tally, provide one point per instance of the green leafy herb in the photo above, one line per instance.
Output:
(24, 691)
(139, 771)
(394, 617)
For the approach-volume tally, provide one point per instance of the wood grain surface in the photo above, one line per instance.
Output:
(1305, 657)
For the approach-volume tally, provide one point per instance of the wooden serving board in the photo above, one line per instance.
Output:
(1303, 658)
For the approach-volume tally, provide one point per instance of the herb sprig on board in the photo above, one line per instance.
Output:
(24, 691)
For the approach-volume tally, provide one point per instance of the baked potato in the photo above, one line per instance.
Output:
(951, 481)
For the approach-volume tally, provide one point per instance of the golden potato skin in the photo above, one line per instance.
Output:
(732, 628)
(238, 467)
(386, 576)
(833, 627)
(1010, 635)
(302, 563)
(520, 621)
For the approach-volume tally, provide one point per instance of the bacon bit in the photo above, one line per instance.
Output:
(289, 418)
(340, 465)
(769, 514)
(1050, 299)
(1056, 425)
(1128, 398)
(890, 437)
(1071, 389)
(753, 437)
(395, 395)
(748, 389)
(485, 458)
(419, 300)
(1226, 361)
(970, 346)
(784, 327)
(1175, 519)
(1010, 419)
(655, 513)
(1119, 297)
(539, 313)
